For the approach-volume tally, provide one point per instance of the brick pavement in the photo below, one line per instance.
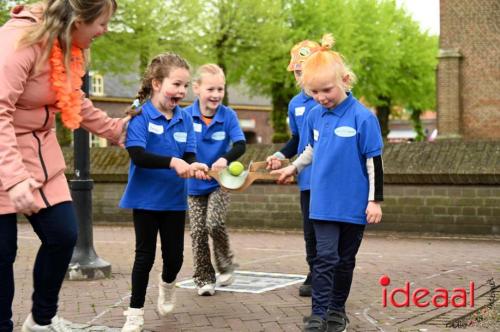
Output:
(426, 262)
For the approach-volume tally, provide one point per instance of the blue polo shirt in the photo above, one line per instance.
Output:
(342, 139)
(212, 141)
(298, 109)
(158, 189)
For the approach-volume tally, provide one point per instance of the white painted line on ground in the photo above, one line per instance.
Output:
(370, 320)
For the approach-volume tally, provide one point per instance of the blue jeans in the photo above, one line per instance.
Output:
(308, 225)
(57, 228)
(337, 244)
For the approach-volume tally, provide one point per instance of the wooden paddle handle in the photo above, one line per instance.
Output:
(261, 165)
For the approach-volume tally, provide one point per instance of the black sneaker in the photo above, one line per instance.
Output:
(336, 321)
(306, 288)
(314, 323)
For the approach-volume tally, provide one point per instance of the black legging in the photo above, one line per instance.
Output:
(147, 223)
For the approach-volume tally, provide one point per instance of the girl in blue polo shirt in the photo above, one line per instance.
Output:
(162, 145)
(344, 148)
(219, 141)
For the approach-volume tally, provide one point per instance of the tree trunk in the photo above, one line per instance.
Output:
(383, 113)
(279, 113)
(417, 125)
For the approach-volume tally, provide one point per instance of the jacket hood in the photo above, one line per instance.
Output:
(34, 12)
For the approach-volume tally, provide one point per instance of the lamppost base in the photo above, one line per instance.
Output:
(91, 270)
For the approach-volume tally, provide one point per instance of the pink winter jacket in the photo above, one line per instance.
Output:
(28, 144)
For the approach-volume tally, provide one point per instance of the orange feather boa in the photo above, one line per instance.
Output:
(67, 88)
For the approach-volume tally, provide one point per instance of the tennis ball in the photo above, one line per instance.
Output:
(236, 168)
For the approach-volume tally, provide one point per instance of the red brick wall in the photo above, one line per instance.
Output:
(446, 209)
(472, 27)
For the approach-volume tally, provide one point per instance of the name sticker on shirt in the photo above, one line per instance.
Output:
(316, 134)
(219, 135)
(155, 129)
(345, 131)
(299, 111)
(180, 137)
(197, 127)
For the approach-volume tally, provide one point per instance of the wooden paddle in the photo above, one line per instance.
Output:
(256, 171)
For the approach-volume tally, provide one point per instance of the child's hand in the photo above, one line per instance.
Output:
(199, 171)
(219, 164)
(285, 173)
(373, 212)
(273, 162)
(181, 167)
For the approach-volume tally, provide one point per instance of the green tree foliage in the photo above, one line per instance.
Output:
(235, 34)
(142, 29)
(4, 12)
(393, 59)
(6, 6)
(64, 135)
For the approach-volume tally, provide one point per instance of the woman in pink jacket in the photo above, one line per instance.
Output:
(42, 61)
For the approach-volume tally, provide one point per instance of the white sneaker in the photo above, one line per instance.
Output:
(135, 320)
(57, 325)
(225, 279)
(166, 296)
(206, 290)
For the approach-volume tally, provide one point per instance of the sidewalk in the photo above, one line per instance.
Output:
(424, 262)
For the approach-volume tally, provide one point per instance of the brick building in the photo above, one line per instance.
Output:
(469, 69)
(114, 93)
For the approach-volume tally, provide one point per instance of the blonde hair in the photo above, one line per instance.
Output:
(160, 67)
(327, 62)
(59, 17)
(210, 69)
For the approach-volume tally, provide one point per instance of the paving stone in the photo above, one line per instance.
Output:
(423, 261)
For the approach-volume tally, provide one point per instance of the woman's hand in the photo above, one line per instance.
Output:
(123, 135)
(373, 212)
(21, 196)
(219, 164)
(286, 174)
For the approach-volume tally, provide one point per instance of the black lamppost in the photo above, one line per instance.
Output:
(85, 264)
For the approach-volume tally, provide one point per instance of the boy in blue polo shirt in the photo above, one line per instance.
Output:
(298, 109)
(162, 145)
(219, 141)
(344, 148)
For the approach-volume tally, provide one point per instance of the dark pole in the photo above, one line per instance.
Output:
(85, 264)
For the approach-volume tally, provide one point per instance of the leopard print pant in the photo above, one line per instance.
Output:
(207, 216)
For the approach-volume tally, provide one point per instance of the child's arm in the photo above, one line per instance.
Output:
(375, 169)
(290, 148)
(287, 152)
(237, 150)
(188, 167)
(298, 165)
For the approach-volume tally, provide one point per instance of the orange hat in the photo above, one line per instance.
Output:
(300, 52)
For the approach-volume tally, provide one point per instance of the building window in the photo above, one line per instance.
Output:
(97, 84)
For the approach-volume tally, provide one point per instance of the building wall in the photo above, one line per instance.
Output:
(446, 209)
(471, 27)
(257, 119)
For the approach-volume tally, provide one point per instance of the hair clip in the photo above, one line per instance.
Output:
(136, 103)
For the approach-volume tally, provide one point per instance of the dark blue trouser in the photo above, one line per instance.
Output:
(57, 229)
(308, 225)
(337, 244)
